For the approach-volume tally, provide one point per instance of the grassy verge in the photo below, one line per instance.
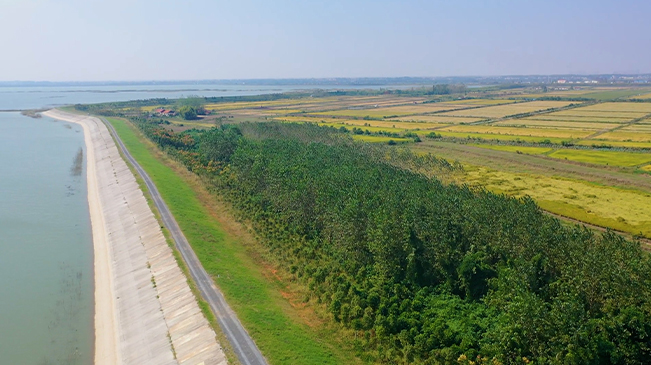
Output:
(285, 331)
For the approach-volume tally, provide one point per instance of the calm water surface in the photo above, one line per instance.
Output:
(46, 271)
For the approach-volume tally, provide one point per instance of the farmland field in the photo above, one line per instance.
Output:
(581, 118)
(621, 209)
(390, 111)
(619, 107)
(509, 109)
(500, 137)
(596, 141)
(584, 193)
(480, 102)
(611, 94)
(522, 149)
(613, 158)
(363, 123)
(531, 132)
(379, 139)
(530, 122)
(638, 127)
(437, 118)
(625, 136)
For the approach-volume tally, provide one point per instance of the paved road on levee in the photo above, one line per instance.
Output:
(244, 347)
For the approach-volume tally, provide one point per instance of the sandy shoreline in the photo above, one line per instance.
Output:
(144, 309)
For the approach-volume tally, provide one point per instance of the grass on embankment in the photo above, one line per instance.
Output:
(254, 292)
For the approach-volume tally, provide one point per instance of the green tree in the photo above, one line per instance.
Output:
(188, 112)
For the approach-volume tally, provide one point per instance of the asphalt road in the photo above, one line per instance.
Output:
(244, 347)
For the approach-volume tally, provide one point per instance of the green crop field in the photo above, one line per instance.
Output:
(612, 158)
(611, 94)
(600, 142)
(277, 329)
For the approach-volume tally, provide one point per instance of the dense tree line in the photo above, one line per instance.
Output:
(425, 272)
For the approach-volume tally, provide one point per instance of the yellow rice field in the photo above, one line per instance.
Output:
(500, 137)
(360, 123)
(532, 132)
(437, 119)
(509, 109)
(521, 149)
(390, 111)
(370, 129)
(479, 102)
(573, 114)
(626, 136)
(555, 124)
(619, 107)
(644, 128)
(626, 210)
(581, 118)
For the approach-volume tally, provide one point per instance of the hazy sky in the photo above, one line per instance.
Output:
(87, 40)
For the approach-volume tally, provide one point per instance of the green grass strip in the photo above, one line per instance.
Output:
(257, 301)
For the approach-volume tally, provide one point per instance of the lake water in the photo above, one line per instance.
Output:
(46, 270)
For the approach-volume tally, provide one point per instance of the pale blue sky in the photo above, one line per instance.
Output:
(87, 40)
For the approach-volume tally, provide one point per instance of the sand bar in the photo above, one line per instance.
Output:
(145, 312)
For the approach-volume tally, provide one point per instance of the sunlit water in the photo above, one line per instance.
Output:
(46, 269)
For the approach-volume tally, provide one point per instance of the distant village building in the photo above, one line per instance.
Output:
(161, 112)
(561, 81)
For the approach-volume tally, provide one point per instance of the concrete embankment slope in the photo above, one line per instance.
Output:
(145, 312)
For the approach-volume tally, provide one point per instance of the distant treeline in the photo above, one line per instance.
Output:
(424, 272)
